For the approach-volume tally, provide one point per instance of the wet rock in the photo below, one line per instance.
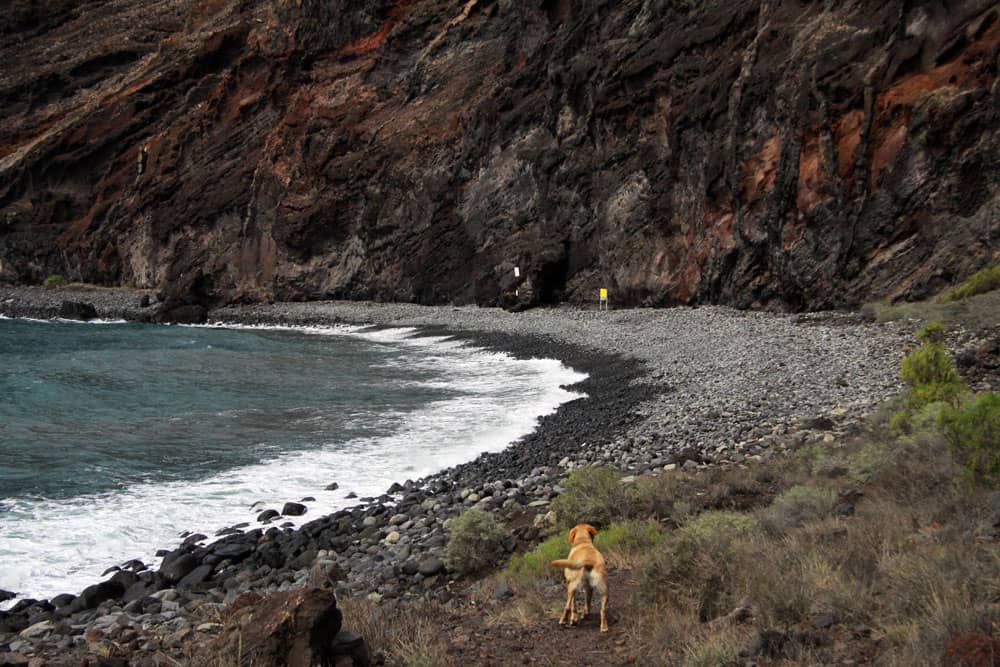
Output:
(182, 314)
(234, 551)
(268, 515)
(62, 600)
(196, 576)
(177, 568)
(77, 310)
(293, 509)
(194, 538)
(94, 595)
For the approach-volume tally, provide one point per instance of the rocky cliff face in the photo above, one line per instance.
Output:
(763, 153)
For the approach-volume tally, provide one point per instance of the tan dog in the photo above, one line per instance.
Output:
(584, 568)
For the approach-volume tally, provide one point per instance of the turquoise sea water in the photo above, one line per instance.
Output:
(116, 437)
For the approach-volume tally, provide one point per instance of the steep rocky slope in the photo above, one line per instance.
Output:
(760, 153)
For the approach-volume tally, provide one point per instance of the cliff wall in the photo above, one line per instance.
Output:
(769, 153)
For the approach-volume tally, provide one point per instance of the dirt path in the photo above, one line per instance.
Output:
(491, 638)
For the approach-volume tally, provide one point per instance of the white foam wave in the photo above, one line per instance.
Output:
(49, 547)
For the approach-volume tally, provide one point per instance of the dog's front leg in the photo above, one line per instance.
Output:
(586, 606)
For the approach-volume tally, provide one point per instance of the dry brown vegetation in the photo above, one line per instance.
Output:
(791, 562)
(880, 548)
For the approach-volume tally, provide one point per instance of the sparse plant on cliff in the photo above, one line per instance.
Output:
(476, 541)
(980, 282)
(54, 281)
(592, 495)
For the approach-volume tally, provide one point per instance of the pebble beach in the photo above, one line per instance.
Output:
(667, 389)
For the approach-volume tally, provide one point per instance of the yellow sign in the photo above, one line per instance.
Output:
(604, 294)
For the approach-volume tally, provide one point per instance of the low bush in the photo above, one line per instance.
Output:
(980, 282)
(696, 564)
(929, 365)
(534, 564)
(930, 377)
(718, 528)
(629, 536)
(628, 542)
(54, 281)
(652, 496)
(973, 433)
(798, 505)
(592, 495)
(867, 462)
(475, 542)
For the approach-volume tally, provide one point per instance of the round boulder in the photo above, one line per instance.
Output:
(293, 509)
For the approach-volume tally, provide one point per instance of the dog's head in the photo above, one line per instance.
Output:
(580, 530)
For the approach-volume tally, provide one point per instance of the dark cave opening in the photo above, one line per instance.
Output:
(552, 280)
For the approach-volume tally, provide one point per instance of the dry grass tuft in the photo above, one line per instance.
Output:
(406, 635)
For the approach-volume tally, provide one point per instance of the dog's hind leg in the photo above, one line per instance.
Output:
(604, 611)
(569, 613)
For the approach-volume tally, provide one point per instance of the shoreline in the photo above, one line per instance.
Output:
(677, 388)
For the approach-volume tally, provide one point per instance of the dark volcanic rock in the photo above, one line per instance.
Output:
(234, 551)
(268, 515)
(177, 568)
(98, 593)
(196, 576)
(430, 566)
(183, 314)
(293, 509)
(7, 595)
(751, 153)
(75, 310)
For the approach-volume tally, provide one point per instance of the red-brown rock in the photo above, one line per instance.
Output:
(293, 629)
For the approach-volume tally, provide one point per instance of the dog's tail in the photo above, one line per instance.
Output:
(571, 564)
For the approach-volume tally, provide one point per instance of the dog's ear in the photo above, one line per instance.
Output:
(572, 534)
(591, 530)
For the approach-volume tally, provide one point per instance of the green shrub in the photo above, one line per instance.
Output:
(696, 563)
(718, 527)
(629, 536)
(476, 540)
(986, 280)
(930, 377)
(932, 332)
(929, 365)
(651, 496)
(592, 495)
(534, 564)
(798, 505)
(973, 432)
(54, 281)
(869, 460)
